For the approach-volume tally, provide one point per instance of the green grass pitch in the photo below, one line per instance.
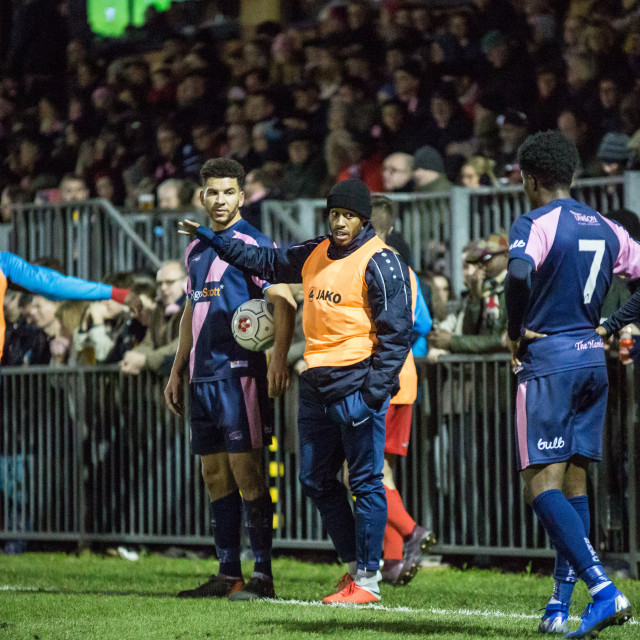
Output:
(57, 596)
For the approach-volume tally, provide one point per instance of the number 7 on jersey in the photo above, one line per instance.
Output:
(597, 247)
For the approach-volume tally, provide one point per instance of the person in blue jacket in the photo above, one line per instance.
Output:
(404, 540)
(50, 284)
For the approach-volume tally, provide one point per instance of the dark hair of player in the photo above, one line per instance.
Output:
(550, 157)
(222, 168)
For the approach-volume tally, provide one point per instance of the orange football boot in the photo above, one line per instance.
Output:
(351, 593)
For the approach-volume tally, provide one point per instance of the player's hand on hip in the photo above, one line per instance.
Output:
(278, 378)
(514, 345)
(532, 335)
(601, 331)
(188, 227)
(174, 395)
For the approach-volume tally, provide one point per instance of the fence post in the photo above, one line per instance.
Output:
(631, 191)
(265, 219)
(79, 427)
(632, 478)
(307, 218)
(460, 232)
(5, 231)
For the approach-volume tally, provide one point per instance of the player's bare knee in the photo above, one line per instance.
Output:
(575, 479)
(218, 484)
(217, 476)
(573, 488)
(247, 473)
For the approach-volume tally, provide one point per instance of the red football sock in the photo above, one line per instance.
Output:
(397, 515)
(392, 544)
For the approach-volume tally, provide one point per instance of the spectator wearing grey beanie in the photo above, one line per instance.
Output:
(428, 171)
(614, 153)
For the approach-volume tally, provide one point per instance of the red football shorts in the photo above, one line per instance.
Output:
(398, 425)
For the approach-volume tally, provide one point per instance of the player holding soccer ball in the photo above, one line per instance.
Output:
(357, 322)
(231, 417)
(562, 257)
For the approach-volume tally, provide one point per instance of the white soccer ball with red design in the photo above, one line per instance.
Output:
(252, 325)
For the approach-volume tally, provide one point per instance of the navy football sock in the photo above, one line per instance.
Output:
(565, 529)
(258, 515)
(226, 518)
(563, 572)
(581, 506)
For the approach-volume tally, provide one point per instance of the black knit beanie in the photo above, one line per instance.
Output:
(352, 194)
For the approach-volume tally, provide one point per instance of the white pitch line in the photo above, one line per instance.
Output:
(486, 613)
(17, 587)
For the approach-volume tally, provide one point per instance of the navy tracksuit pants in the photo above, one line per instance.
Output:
(347, 430)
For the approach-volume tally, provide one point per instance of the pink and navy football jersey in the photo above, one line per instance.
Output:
(216, 290)
(574, 252)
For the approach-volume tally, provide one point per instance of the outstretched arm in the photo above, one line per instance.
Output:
(53, 285)
(270, 264)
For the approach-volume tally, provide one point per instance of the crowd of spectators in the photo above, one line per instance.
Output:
(409, 96)
(141, 335)
(340, 90)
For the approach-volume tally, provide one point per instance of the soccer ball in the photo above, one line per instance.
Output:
(252, 325)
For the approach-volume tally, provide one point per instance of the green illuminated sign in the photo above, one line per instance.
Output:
(111, 17)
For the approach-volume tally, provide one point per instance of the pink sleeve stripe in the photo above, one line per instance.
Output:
(250, 240)
(543, 233)
(628, 260)
(186, 263)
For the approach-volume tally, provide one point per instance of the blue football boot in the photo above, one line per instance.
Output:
(601, 614)
(555, 618)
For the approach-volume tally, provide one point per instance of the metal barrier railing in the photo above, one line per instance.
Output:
(493, 209)
(90, 238)
(87, 454)
(438, 223)
(425, 221)
(159, 231)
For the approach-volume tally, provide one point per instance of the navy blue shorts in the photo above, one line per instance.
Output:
(233, 415)
(561, 415)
